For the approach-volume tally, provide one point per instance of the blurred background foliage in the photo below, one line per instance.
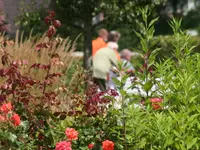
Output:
(120, 15)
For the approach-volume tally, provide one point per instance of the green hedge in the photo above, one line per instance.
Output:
(165, 43)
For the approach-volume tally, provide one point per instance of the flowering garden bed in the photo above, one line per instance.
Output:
(43, 105)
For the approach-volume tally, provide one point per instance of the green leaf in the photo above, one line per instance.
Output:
(138, 34)
(12, 137)
(24, 125)
(116, 81)
(147, 86)
(190, 141)
(124, 78)
(153, 21)
(142, 143)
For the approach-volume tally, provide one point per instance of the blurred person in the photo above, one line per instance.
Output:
(103, 60)
(113, 38)
(100, 41)
(126, 56)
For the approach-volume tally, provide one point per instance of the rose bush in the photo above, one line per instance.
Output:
(32, 90)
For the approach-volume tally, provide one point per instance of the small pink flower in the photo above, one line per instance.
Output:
(6, 107)
(156, 103)
(17, 62)
(71, 134)
(63, 145)
(154, 100)
(14, 63)
(25, 62)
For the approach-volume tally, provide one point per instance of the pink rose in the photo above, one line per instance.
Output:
(63, 145)
(6, 107)
(71, 134)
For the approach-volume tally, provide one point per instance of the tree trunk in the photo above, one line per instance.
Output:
(87, 36)
(87, 45)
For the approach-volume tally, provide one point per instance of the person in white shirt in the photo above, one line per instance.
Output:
(126, 58)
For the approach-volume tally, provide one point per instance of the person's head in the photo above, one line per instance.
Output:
(114, 36)
(113, 45)
(103, 33)
(126, 54)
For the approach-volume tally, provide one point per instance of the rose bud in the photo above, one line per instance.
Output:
(56, 23)
(52, 14)
(47, 19)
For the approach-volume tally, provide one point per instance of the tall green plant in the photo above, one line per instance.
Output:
(176, 125)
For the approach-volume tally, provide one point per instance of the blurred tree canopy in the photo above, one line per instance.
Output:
(86, 17)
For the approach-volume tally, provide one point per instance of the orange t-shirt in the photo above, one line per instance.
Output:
(118, 55)
(97, 44)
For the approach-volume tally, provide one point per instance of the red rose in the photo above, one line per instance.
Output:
(16, 119)
(6, 107)
(90, 146)
(71, 134)
(63, 146)
(156, 103)
(108, 145)
(56, 23)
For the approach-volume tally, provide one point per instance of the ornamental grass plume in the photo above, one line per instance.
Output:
(22, 53)
(71, 134)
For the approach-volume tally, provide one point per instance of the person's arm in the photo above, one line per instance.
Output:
(113, 58)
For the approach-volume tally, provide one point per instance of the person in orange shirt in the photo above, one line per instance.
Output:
(113, 38)
(100, 42)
